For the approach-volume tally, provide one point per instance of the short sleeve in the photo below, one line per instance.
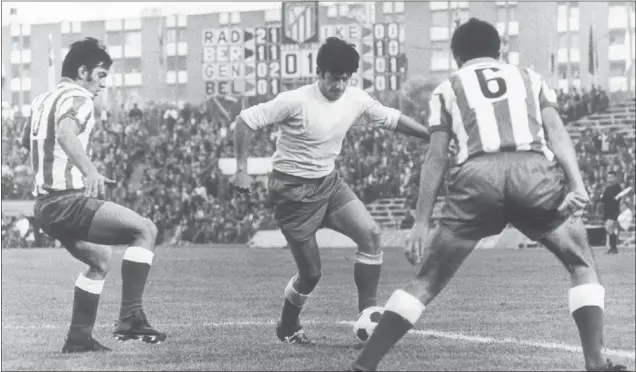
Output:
(79, 108)
(377, 113)
(547, 96)
(264, 114)
(439, 118)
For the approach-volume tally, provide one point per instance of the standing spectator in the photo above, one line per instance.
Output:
(135, 113)
(611, 209)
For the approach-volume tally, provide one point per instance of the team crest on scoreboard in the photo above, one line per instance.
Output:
(300, 22)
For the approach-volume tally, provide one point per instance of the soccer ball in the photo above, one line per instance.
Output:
(366, 322)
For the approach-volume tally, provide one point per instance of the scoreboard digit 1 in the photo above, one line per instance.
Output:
(388, 59)
(267, 44)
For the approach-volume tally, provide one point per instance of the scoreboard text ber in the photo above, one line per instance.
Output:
(254, 62)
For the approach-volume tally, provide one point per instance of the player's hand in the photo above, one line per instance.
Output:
(242, 182)
(575, 202)
(96, 185)
(416, 243)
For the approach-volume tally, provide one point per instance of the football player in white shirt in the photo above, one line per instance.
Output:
(305, 190)
(68, 190)
(513, 156)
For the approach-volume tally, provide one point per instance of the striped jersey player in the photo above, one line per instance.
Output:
(513, 156)
(51, 166)
(69, 205)
(490, 106)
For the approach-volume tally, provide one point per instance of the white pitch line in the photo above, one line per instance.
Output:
(631, 355)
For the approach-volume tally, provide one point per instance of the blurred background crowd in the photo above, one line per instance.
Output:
(166, 163)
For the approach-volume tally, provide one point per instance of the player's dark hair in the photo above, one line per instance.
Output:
(611, 173)
(475, 39)
(88, 52)
(338, 57)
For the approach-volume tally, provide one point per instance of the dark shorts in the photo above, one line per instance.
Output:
(301, 204)
(66, 215)
(490, 191)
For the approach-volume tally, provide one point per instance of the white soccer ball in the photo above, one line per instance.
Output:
(366, 322)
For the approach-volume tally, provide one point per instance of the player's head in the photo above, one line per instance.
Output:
(337, 61)
(475, 39)
(87, 63)
(611, 177)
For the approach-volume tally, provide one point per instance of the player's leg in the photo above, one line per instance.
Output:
(88, 288)
(65, 217)
(611, 235)
(299, 208)
(298, 290)
(447, 251)
(473, 209)
(348, 215)
(114, 224)
(535, 190)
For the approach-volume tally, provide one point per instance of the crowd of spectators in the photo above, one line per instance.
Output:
(575, 105)
(166, 164)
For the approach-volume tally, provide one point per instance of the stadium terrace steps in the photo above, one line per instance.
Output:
(620, 117)
(388, 213)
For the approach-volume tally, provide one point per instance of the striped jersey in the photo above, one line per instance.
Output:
(51, 166)
(490, 106)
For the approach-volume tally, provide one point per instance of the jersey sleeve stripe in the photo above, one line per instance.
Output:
(473, 140)
(445, 120)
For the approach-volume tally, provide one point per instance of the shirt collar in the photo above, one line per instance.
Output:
(476, 61)
(66, 80)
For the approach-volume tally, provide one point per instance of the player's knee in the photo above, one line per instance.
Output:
(372, 241)
(310, 277)
(102, 266)
(151, 230)
(146, 230)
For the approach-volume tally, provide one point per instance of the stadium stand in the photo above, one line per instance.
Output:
(166, 163)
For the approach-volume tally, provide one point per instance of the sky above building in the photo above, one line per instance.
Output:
(51, 12)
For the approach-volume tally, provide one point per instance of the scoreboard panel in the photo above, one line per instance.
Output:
(255, 62)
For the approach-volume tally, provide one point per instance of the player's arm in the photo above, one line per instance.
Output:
(436, 161)
(73, 114)
(390, 118)
(558, 138)
(26, 134)
(411, 127)
(253, 119)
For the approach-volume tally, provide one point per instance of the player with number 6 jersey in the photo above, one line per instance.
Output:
(513, 161)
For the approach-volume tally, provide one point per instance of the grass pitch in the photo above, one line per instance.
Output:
(505, 310)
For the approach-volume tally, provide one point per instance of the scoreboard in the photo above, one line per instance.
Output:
(263, 62)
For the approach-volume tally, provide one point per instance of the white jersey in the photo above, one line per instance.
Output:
(312, 128)
(52, 169)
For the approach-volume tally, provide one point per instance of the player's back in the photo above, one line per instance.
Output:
(495, 107)
(52, 169)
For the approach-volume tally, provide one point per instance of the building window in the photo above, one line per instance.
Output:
(617, 68)
(132, 65)
(115, 38)
(133, 38)
(224, 18)
(332, 11)
(235, 18)
(511, 15)
(273, 15)
(439, 19)
(387, 7)
(563, 40)
(177, 64)
(617, 37)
